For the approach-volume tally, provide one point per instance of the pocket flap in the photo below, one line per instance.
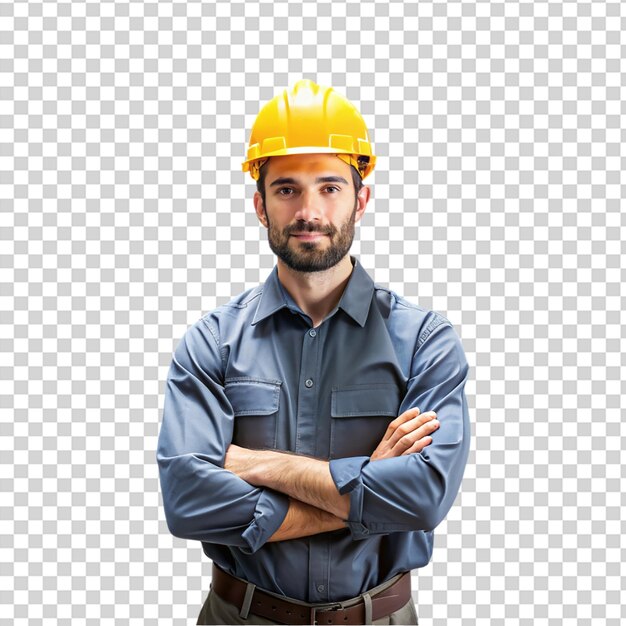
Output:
(375, 399)
(253, 396)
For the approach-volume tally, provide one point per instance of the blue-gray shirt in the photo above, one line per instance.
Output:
(255, 372)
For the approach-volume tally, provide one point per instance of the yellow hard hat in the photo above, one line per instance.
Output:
(309, 119)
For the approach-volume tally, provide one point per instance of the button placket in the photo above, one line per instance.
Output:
(308, 389)
(309, 382)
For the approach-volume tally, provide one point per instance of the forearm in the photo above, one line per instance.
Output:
(303, 478)
(406, 493)
(304, 520)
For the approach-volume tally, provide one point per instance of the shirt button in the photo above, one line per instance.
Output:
(308, 383)
(312, 332)
(321, 588)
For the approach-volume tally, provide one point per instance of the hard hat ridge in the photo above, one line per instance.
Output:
(306, 119)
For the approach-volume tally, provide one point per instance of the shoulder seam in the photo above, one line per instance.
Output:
(244, 304)
(439, 319)
(399, 300)
(216, 338)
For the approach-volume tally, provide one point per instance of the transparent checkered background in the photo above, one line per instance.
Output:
(497, 200)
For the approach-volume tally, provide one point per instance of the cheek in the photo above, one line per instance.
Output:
(278, 217)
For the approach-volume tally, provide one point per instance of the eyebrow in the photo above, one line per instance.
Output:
(321, 179)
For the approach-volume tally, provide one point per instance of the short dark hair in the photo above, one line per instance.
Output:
(357, 181)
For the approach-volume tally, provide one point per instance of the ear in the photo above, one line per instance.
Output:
(260, 208)
(362, 198)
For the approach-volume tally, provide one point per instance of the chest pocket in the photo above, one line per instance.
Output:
(255, 403)
(360, 416)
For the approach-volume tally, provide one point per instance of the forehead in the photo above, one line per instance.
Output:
(306, 166)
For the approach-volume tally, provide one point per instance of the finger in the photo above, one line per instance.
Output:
(407, 441)
(411, 426)
(418, 446)
(405, 417)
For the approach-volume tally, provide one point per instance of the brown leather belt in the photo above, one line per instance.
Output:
(385, 602)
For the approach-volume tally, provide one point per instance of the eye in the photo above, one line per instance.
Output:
(337, 189)
(281, 189)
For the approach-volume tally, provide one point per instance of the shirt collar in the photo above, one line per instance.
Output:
(355, 300)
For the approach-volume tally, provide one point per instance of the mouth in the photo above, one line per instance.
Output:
(308, 236)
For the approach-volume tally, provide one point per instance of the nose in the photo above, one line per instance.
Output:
(309, 208)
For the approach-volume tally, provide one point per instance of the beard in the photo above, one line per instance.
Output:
(309, 257)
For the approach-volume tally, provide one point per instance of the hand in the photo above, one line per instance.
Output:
(407, 434)
(242, 462)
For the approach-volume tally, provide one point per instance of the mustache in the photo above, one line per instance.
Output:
(309, 227)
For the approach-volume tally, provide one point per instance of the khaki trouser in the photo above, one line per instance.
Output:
(218, 611)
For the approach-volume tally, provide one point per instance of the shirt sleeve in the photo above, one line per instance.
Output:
(416, 491)
(202, 500)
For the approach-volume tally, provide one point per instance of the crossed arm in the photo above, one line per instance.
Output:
(244, 498)
(315, 504)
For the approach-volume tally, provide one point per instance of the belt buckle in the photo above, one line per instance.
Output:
(335, 606)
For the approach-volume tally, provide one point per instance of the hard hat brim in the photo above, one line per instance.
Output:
(295, 150)
(246, 165)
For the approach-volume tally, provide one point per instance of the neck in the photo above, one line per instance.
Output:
(316, 293)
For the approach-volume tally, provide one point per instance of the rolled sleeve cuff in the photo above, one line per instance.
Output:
(346, 474)
(269, 514)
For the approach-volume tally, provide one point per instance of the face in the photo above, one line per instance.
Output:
(311, 210)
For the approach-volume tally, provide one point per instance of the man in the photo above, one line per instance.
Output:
(315, 429)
